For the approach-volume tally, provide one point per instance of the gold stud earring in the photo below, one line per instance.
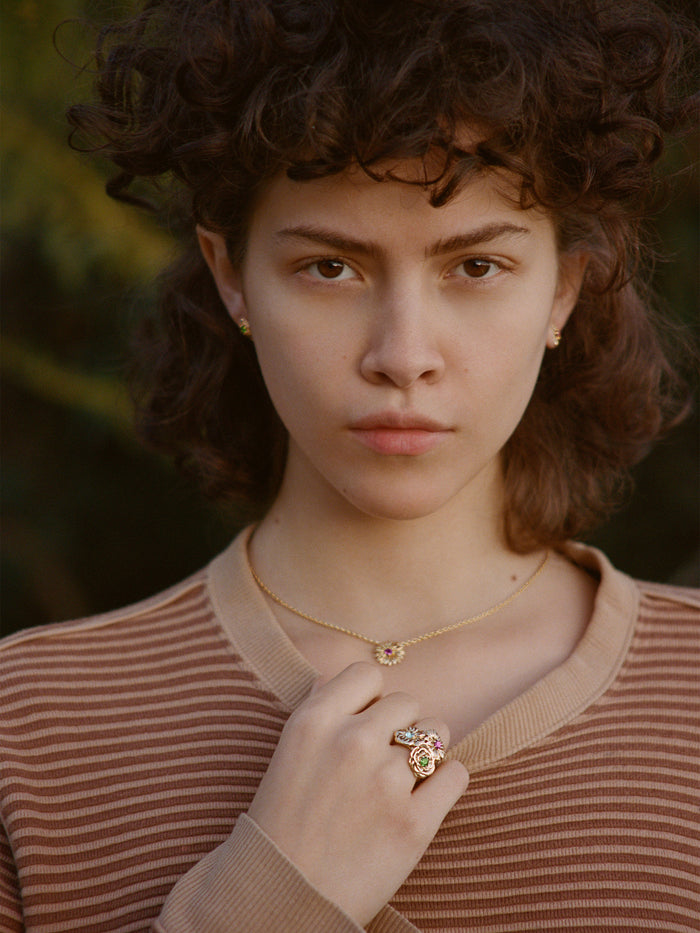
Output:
(244, 327)
(556, 336)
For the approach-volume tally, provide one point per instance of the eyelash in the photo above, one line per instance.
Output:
(494, 267)
(328, 259)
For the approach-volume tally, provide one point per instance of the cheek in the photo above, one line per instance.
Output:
(500, 383)
(296, 355)
(298, 377)
(522, 366)
(504, 352)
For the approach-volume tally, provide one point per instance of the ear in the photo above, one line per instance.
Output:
(572, 268)
(228, 279)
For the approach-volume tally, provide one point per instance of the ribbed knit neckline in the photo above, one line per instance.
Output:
(554, 700)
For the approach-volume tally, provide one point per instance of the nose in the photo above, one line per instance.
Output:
(403, 346)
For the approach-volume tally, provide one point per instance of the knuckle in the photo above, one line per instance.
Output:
(308, 720)
(436, 725)
(386, 783)
(366, 673)
(360, 740)
(402, 698)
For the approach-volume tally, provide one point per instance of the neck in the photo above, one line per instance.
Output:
(388, 578)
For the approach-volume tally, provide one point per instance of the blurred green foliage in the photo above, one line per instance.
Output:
(91, 521)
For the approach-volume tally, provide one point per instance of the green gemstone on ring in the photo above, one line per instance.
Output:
(424, 762)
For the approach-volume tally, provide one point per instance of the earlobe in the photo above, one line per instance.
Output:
(572, 269)
(228, 279)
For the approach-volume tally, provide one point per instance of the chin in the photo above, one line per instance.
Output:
(397, 505)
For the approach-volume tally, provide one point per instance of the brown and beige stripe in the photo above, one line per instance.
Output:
(131, 743)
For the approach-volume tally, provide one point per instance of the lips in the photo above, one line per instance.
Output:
(399, 433)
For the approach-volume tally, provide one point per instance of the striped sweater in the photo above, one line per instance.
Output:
(131, 745)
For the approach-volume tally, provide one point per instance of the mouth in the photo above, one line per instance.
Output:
(397, 433)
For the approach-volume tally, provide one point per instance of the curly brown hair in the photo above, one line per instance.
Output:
(210, 100)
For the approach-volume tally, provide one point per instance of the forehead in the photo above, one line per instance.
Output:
(392, 209)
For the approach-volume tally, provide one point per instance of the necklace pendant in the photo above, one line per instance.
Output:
(389, 653)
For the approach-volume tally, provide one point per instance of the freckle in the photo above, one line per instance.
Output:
(514, 577)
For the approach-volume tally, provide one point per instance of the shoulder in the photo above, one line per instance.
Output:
(148, 618)
(142, 649)
(650, 596)
(669, 619)
(678, 600)
(179, 611)
(169, 652)
(109, 689)
(653, 617)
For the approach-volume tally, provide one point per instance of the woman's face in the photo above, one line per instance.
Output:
(400, 343)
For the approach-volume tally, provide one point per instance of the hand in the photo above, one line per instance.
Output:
(341, 801)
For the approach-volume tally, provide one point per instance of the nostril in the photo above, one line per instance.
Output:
(403, 355)
(402, 370)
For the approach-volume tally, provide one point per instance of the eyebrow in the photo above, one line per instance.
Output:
(452, 244)
(330, 238)
(483, 234)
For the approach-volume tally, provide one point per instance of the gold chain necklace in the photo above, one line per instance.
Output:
(393, 652)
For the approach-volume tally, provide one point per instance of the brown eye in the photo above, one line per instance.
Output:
(477, 268)
(330, 268)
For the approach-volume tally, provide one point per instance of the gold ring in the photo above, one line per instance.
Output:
(427, 750)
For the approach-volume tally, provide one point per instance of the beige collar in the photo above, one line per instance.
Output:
(550, 703)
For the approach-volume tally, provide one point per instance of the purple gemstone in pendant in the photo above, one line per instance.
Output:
(389, 653)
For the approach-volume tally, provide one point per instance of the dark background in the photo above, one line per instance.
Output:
(90, 520)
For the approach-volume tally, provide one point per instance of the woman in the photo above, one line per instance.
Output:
(410, 335)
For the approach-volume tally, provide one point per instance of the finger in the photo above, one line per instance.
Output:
(436, 725)
(320, 681)
(435, 796)
(422, 747)
(432, 733)
(391, 712)
(352, 690)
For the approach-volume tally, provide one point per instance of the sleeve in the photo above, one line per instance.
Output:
(10, 900)
(249, 885)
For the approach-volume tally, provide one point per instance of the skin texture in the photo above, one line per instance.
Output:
(378, 327)
(354, 820)
(400, 344)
